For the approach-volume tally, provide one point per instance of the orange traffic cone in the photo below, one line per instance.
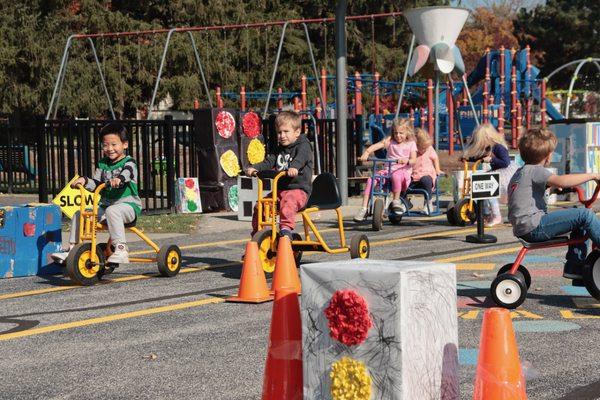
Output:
(499, 375)
(285, 275)
(253, 284)
(283, 370)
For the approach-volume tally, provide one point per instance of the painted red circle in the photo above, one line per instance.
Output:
(225, 124)
(251, 125)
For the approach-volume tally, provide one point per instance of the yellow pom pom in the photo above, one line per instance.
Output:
(229, 163)
(256, 151)
(350, 380)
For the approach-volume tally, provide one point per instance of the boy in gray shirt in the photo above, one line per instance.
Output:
(527, 209)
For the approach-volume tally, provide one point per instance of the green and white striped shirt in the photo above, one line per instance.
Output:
(126, 170)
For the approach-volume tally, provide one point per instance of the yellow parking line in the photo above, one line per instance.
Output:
(108, 318)
(106, 281)
(480, 254)
(475, 266)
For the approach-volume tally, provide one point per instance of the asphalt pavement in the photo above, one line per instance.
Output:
(140, 336)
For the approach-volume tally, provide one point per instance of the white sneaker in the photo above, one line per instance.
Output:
(428, 210)
(361, 214)
(120, 256)
(60, 257)
(397, 206)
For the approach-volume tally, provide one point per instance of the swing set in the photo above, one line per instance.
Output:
(303, 23)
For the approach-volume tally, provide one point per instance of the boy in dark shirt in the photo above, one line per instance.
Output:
(294, 155)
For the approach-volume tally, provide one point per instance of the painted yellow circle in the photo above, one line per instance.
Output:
(229, 163)
(83, 268)
(256, 151)
(172, 265)
(350, 379)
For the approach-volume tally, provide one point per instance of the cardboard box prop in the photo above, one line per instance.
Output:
(188, 196)
(404, 343)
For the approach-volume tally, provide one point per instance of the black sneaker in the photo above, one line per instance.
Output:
(577, 282)
(573, 271)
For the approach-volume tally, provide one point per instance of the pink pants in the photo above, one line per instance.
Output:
(289, 202)
(400, 180)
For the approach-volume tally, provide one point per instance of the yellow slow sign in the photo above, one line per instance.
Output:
(69, 199)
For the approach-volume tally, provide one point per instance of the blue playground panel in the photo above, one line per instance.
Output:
(28, 235)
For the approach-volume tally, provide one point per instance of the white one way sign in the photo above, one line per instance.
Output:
(485, 185)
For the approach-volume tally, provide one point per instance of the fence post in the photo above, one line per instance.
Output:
(42, 173)
(9, 156)
(169, 155)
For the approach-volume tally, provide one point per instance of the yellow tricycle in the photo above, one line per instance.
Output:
(463, 212)
(325, 196)
(86, 263)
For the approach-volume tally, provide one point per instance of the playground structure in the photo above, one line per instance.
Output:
(505, 87)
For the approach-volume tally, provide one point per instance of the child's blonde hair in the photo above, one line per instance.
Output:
(423, 139)
(290, 117)
(403, 123)
(536, 144)
(484, 137)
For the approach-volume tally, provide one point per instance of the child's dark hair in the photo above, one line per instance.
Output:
(114, 128)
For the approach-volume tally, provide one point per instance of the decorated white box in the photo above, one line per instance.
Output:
(410, 350)
(187, 198)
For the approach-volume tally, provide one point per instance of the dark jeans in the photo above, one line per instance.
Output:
(578, 221)
(425, 183)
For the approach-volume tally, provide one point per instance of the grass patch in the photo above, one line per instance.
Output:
(444, 184)
(162, 223)
(169, 223)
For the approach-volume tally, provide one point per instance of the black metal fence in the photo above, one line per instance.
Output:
(42, 157)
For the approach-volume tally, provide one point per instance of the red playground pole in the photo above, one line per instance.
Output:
(513, 102)
(528, 93)
(243, 98)
(376, 91)
(543, 103)
(318, 108)
(486, 86)
(501, 120)
(279, 99)
(450, 105)
(296, 104)
(324, 90)
(303, 94)
(519, 119)
(502, 71)
(430, 121)
(358, 93)
(219, 98)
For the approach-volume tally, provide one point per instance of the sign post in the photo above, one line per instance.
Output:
(485, 185)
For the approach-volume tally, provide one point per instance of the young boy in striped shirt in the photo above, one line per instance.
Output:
(120, 203)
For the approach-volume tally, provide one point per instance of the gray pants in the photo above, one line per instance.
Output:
(116, 217)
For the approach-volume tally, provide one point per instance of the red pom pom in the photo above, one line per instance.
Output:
(251, 125)
(189, 183)
(225, 124)
(349, 319)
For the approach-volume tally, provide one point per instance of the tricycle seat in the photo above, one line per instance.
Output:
(553, 241)
(325, 193)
